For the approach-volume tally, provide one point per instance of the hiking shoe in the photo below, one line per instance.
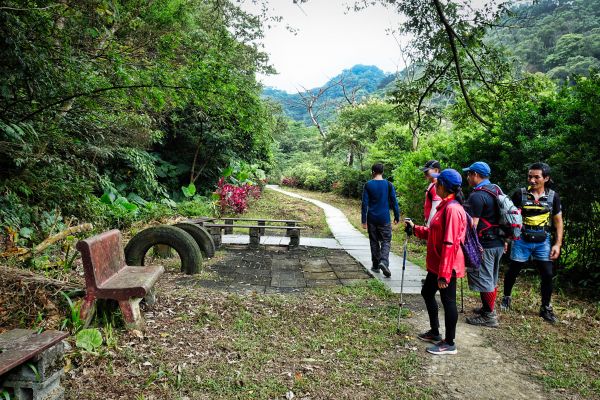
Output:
(430, 337)
(375, 268)
(386, 271)
(547, 313)
(489, 319)
(505, 304)
(442, 348)
(478, 310)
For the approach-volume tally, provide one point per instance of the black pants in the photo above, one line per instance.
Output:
(380, 237)
(448, 297)
(545, 269)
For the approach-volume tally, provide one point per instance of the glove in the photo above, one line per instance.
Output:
(408, 229)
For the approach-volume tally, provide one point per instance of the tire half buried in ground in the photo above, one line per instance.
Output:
(181, 241)
(201, 236)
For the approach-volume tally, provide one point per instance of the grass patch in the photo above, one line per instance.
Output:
(329, 343)
(564, 356)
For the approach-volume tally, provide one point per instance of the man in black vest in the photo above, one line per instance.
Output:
(541, 210)
(481, 206)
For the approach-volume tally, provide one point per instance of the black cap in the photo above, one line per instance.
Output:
(431, 164)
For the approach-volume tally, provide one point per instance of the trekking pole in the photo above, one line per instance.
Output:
(402, 286)
(462, 303)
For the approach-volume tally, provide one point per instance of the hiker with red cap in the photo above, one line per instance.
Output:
(431, 197)
(445, 260)
(481, 206)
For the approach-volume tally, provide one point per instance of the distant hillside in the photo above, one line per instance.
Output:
(557, 37)
(366, 79)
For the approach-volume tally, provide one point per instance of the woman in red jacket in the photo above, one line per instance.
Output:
(445, 259)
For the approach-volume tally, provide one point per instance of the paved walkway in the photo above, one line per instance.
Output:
(357, 245)
(275, 269)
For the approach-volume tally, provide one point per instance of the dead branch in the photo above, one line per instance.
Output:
(59, 236)
(31, 277)
(457, 65)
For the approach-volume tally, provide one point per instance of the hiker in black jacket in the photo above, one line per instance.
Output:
(481, 206)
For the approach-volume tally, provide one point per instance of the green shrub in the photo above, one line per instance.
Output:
(200, 206)
(311, 176)
(350, 181)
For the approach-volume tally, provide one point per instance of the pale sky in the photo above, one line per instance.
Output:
(328, 40)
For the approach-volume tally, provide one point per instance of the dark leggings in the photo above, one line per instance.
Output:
(448, 297)
(545, 269)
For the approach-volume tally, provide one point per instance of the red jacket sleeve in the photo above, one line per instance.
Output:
(422, 232)
(454, 233)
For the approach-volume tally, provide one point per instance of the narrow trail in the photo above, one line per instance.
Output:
(357, 245)
(478, 371)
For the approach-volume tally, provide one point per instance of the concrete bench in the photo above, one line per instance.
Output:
(108, 277)
(255, 232)
(31, 364)
(259, 221)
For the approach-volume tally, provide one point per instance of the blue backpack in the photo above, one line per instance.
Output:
(472, 249)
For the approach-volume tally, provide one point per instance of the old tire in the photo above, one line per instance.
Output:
(183, 243)
(201, 236)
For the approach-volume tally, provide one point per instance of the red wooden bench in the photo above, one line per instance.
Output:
(108, 277)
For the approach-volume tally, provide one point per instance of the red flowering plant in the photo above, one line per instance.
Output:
(289, 181)
(235, 189)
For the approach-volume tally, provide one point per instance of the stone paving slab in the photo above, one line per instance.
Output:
(357, 245)
(277, 270)
(352, 274)
(320, 275)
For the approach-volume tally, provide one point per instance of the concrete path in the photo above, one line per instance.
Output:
(357, 245)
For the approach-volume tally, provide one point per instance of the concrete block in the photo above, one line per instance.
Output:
(46, 364)
(48, 389)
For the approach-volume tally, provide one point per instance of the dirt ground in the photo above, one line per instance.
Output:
(201, 339)
(267, 323)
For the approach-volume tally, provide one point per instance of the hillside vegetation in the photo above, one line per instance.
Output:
(560, 38)
(540, 103)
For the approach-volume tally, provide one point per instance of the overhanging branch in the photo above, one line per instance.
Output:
(93, 92)
(463, 89)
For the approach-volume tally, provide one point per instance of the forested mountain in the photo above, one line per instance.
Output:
(558, 37)
(360, 81)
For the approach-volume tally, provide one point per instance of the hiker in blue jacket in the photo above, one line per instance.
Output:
(377, 199)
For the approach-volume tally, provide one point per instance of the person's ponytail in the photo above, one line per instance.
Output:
(458, 195)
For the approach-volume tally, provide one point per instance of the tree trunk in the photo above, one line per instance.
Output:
(350, 158)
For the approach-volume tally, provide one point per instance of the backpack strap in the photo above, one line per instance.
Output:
(524, 197)
(469, 220)
(496, 191)
(550, 199)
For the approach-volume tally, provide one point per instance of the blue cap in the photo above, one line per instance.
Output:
(449, 178)
(480, 167)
